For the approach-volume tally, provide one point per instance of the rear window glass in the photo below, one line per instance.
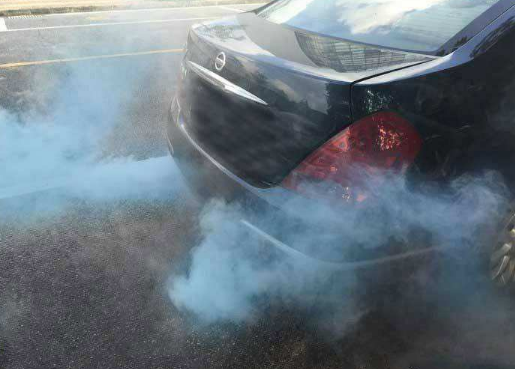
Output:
(418, 25)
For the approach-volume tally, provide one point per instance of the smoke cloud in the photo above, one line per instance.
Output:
(235, 274)
(54, 158)
(65, 151)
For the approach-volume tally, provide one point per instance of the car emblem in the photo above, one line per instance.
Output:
(220, 61)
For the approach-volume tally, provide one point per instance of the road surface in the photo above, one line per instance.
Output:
(95, 218)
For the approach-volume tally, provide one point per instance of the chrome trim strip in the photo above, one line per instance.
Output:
(336, 265)
(222, 83)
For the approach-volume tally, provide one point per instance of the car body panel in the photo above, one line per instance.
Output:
(463, 104)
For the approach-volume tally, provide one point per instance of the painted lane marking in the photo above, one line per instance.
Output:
(108, 24)
(93, 57)
(3, 27)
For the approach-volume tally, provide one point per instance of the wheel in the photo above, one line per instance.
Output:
(502, 256)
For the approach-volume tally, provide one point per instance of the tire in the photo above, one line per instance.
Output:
(502, 254)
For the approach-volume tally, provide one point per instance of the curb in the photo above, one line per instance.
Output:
(91, 8)
(42, 11)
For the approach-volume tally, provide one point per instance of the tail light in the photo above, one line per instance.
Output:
(382, 142)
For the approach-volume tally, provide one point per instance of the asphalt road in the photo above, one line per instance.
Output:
(159, 34)
(94, 218)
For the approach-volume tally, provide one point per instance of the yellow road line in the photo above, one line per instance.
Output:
(70, 60)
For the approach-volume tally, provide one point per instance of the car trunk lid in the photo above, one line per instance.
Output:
(279, 94)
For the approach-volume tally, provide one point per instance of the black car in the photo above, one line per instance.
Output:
(296, 93)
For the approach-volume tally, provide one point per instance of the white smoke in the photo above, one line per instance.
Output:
(50, 158)
(235, 274)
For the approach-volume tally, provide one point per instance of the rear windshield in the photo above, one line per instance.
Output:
(418, 25)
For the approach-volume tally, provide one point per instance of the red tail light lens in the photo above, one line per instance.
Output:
(380, 142)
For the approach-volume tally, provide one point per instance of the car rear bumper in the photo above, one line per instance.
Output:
(209, 179)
